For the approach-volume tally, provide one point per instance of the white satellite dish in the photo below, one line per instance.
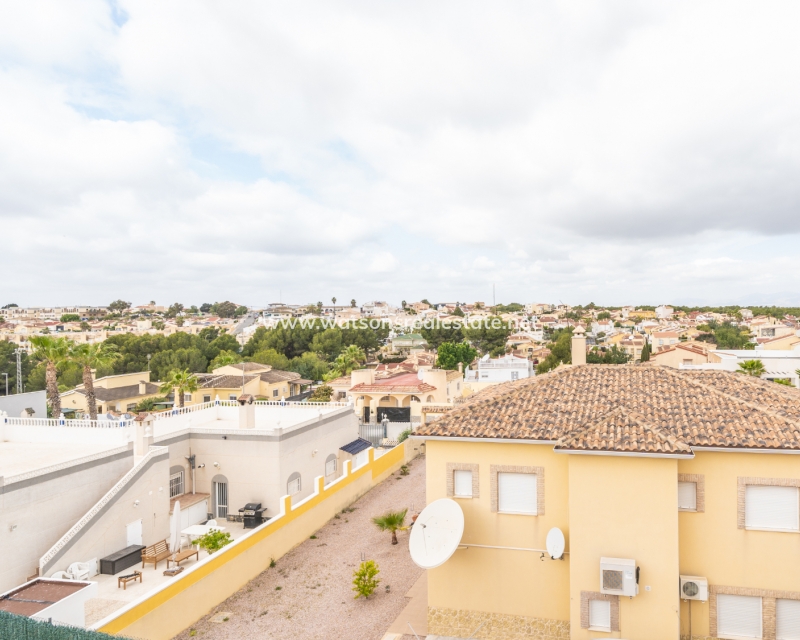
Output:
(436, 534)
(555, 543)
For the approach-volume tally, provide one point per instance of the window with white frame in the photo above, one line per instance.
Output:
(176, 484)
(687, 496)
(772, 508)
(517, 493)
(738, 616)
(231, 396)
(187, 397)
(600, 615)
(330, 467)
(462, 483)
(787, 619)
(293, 486)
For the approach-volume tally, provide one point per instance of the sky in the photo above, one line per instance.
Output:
(614, 152)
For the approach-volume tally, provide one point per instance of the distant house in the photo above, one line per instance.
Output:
(504, 369)
(664, 338)
(405, 344)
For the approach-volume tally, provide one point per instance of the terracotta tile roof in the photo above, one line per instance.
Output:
(402, 383)
(658, 409)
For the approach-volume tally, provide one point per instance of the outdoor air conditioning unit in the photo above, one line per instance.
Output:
(694, 588)
(619, 577)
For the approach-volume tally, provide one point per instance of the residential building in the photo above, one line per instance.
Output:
(660, 339)
(632, 345)
(259, 380)
(119, 393)
(405, 344)
(664, 312)
(778, 365)
(652, 474)
(681, 354)
(503, 369)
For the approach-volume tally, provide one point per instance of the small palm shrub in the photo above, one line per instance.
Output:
(392, 521)
(364, 579)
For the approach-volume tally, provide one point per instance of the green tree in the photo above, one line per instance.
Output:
(209, 334)
(321, 394)
(119, 306)
(364, 579)
(333, 300)
(604, 315)
(214, 540)
(437, 334)
(53, 352)
(223, 359)
(225, 309)
(206, 307)
(88, 357)
(273, 358)
(753, 368)
(458, 312)
(560, 351)
(645, 352)
(351, 358)
(85, 326)
(392, 521)
(179, 382)
(174, 310)
(70, 317)
(164, 362)
(614, 355)
(328, 344)
(489, 336)
(240, 311)
(449, 354)
(310, 366)
(353, 303)
(148, 404)
(8, 365)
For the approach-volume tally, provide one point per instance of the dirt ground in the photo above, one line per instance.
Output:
(308, 594)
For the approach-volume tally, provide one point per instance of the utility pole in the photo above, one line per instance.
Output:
(19, 370)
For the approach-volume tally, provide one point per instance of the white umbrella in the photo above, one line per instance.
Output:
(175, 528)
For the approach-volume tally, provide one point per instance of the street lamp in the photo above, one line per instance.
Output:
(6, 375)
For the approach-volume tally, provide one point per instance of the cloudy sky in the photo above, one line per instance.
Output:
(197, 151)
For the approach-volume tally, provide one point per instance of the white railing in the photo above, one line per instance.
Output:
(63, 422)
(89, 516)
(301, 405)
(43, 471)
(184, 410)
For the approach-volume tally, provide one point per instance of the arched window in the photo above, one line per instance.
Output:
(414, 399)
(430, 399)
(294, 485)
(330, 465)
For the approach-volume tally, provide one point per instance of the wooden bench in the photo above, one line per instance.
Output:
(183, 555)
(155, 553)
(124, 580)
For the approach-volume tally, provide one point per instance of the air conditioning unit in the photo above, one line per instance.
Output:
(694, 588)
(619, 577)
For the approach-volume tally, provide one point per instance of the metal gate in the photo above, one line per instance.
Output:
(394, 414)
(375, 433)
(222, 499)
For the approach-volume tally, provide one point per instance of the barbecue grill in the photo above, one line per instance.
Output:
(252, 514)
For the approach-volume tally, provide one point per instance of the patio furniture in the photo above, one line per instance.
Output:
(173, 572)
(155, 553)
(183, 555)
(131, 577)
(121, 560)
(197, 530)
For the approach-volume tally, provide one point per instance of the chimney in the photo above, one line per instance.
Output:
(579, 346)
(247, 412)
(461, 367)
(142, 387)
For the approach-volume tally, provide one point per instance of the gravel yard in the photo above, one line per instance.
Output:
(308, 594)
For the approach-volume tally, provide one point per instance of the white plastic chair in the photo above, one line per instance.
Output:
(79, 570)
(212, 523)
(61, 575)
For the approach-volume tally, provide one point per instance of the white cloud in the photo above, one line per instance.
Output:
(616, 150)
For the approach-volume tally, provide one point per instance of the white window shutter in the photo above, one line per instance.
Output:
(516, 493)
(462, 483)
(600, 615)
(687, 496)
(776, 508)
(330, 467)
(787, 613)
(738, 616)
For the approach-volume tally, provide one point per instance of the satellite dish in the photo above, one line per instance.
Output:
(555, 543)
(436, 534)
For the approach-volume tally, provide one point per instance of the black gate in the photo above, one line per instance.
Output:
(394, 414)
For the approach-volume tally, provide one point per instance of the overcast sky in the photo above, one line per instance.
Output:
(617, 152)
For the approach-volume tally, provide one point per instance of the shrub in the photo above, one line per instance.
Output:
(214, 540)
(364, 580)
(404, 435)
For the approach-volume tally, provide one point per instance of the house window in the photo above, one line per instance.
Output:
(688, 361)
(787, 618)
(772, 508)
(600, 615)
(687, 496)
(516, 493)
(462, 483)
(274, 393)
(738, 616)
(131, 406)
(206, 398)
(176, 484)
(330, 466)
(293, 486)
(231, 396)
(187, 397)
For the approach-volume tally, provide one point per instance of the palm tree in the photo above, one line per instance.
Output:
(92, 356)
(753, 368)
(53, 352)
(353, 303)
(351, 358)
(333, 300)
(392, 521)
(180, 382)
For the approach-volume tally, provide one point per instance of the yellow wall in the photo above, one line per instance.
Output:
(626, 507)
(712, 546)
(495, 580)
(195, 592)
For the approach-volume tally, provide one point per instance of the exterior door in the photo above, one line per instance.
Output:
(221, 489)
(366, 415)
(134, 533)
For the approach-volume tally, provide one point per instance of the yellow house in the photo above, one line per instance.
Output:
(114, 393)
(259, 380)
(656, 477)
(680, 354)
